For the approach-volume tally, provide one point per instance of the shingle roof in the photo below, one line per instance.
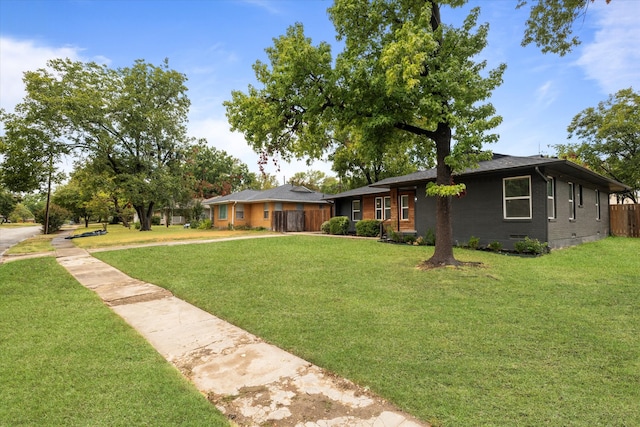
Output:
(499, 163)
(284, 193)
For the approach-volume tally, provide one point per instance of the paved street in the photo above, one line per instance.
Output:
(9, 236)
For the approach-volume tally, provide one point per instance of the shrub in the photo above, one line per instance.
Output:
(394, 236)
(474, 242)
(325, 227)
(57, 217)
(136, 225)
(420, 241)
(205, 224)
(409, 238)
(430, 237)
(495, 246)
(155, 220)
(339, 225)
(368, 228)
(531, 246)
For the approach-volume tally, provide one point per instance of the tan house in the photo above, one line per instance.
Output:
(284, 208)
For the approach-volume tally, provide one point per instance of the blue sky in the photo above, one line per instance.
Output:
(215, 43)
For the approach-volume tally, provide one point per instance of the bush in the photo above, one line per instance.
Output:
(137, 225)
(57, 217)
(155, 220)
(409, 239)
(531, 246)
(205, 224)
(368, 228)
(339, 225)
(495, 246)
(394, 236)
(325, 227)
(474, 242)
(430, 238)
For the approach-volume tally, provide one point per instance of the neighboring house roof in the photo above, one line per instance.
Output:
(499, 163)
(285, 193)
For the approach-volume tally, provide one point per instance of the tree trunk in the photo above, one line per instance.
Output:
(443, 254)
(119, 213)
(145, 216)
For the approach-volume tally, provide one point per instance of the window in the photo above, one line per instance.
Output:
(598, 205)
(517, 197)
(240, 211)
(278, 206)
(299, 207)
(383, 208)
(551, 197)
(572, 201)
(356, 213)
(404, 206)
(222, 212)
(266, 211)
(580, 196)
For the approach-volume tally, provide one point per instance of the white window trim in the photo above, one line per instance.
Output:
(551, 198)
(505, 198)
(379, 211)
(572, 201)
(240, 211)
(354, 210)
(387, 199)
(404, 207)
(598, 213)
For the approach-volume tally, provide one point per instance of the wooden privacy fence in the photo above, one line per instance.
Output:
(625, 220)
(291, 221)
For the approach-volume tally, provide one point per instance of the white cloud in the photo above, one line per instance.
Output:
(546, 94)
(613, 58)
(18, 56)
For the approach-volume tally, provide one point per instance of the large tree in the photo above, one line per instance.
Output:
(216, 173)
(402, 72)
(130, 123)
(609, 136)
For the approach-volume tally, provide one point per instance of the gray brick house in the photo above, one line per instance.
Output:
(507, 198)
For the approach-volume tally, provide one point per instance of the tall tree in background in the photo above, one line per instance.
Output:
(401, 70)
(32, 146)
(610, 139)
(216, 173)
(130, 123)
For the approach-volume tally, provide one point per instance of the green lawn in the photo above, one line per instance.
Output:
(68, 360)
(552, 341)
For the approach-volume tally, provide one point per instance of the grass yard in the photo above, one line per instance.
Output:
(68, 360)
(552, 341)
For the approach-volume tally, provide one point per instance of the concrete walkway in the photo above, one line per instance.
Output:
(253, 383)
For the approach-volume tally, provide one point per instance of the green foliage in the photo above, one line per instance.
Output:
(609, 139)
(531, 246)
(21, 214)
(409, 239)
(137, 225)
(205, 224)
(326, 227)
(339, 225)
(368, 228)
(495, 246)
(474, 242)
(434, 190)
(430, 237)
(8, 203)
(550, 24)
(394, 236)
(57, 217)
(156, 220)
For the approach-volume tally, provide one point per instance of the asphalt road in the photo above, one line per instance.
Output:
(10, 236)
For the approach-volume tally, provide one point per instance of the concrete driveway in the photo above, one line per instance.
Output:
(10, 236)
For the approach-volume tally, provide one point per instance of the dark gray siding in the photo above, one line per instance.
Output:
(343, 208)
(585, 227)
(479, 213)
